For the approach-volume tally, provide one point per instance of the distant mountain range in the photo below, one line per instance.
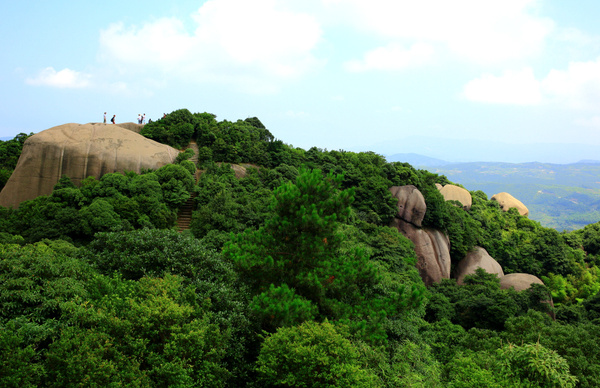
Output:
(560, 196)
(471, 150)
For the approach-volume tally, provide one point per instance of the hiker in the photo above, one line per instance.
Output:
(113, 119)
(104, 117)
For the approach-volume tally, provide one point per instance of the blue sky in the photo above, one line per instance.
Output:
(462, 80)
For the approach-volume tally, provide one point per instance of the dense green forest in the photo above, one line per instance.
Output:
(289, 276)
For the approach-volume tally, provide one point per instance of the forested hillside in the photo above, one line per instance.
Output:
(288, 276)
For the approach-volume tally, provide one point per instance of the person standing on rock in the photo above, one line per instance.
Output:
(144, 119)
(104, 117)
(113, 119)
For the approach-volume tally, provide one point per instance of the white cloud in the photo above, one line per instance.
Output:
(513, 87)
(253, 45)
(480, 31)
(163, 43)
(392, 57)
(65, 78)
(577, 87)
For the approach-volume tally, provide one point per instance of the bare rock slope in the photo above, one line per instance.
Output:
(79, 151)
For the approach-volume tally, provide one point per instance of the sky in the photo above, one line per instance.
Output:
(461, 80)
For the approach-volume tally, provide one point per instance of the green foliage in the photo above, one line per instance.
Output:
(476, 371)
(152, 332)
(185, 155)
(281, 307)
(521, 245)
(115, 202)
(10, 151)
(176, 129)
(301, 247)
(481, 303)
(189, 165)
(401, 364)
(228, 204)
(155, 252)
(20, 360)
(578, 343)
(535, 366)
(35, 279)
(311, 355)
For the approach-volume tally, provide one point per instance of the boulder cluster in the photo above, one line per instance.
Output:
(432, 246)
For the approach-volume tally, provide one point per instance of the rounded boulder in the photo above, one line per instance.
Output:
(518, 281)
(507, 201)
(411, 204)
(456, 193)
(79, 151)
(477, 258)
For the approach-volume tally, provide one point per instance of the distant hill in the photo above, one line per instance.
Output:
(560, 196)
(416, 160)
(470, 150)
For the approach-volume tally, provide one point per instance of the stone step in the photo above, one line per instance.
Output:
(184, 217)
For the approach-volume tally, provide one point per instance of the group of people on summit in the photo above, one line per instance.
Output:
(111, 120)
(141, 118)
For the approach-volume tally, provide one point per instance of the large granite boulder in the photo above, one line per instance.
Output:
(518, 281)
(79, 151)
(507, 201)
(456, 193)
(477, 258)
(432, 248)
(132, 126)
(411, 204)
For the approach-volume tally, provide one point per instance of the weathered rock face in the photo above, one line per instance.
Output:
(79, 151)
(518, 281)
(411, 204)
(432, 248)
(507, 201)
(477, 258)
(132, 126)
(456, 193)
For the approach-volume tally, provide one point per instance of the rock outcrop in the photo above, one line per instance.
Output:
(431, 246)
(477, 258)
(411, 204)
(507, 201)
(518, 281)
(456, 193)
(132, 126)
(79, 151)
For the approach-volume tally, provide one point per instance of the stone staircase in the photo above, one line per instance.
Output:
(184, 216)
